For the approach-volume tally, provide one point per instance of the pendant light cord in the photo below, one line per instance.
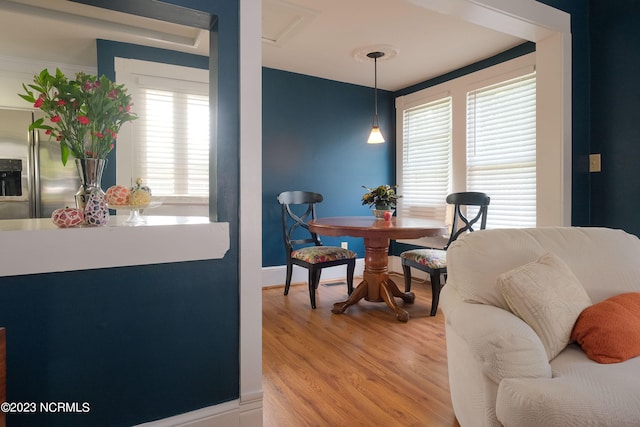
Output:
(375, 91)
(375, 56)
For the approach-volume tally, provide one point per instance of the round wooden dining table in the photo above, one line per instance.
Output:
(376, 285)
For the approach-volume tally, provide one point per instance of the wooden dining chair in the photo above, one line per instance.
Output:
(305, 248)
(434, 261)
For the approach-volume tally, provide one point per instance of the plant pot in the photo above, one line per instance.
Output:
(379, 213)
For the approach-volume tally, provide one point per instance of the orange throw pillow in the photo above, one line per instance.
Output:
(609, 331)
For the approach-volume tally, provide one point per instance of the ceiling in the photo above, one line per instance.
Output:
(327, 39)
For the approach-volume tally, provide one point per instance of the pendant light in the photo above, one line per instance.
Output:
(375, 137)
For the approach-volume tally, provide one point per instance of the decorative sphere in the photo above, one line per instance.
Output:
(117, 195)
(67, 217)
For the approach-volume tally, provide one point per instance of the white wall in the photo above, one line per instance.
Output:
(15, 71)
(250, 210)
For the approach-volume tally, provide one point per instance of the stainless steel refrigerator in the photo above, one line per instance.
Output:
(33, 181)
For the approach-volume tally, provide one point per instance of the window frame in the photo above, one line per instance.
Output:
(127, 71)
(457, 89)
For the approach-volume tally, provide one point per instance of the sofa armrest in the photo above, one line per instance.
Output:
(503, 344)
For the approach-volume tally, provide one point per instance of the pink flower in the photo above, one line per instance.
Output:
(66, 104)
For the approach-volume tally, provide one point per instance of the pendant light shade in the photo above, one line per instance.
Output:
(376, 136)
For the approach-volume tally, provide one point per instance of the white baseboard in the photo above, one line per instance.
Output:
(395, 266)
(228, 414)
(273, 276)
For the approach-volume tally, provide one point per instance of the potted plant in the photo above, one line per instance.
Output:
(84, 115)
(382, 198)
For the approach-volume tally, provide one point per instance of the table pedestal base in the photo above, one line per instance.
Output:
(388, 289)
(377, 286)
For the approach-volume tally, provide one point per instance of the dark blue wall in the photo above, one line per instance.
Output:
(137, 343)
(615, 95)
(315, 139)
(606, 89)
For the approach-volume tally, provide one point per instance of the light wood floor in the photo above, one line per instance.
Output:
(360, 368)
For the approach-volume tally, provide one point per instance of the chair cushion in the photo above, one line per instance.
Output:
(548, 297)
(432, 258)
(317, 254)
(609, 331)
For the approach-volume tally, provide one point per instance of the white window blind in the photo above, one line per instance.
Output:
(171, 147)
(501, 150)
(426, 159)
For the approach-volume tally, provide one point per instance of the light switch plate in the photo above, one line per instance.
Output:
(594, 163)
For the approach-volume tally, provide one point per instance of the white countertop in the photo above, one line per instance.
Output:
(114, 221)
(31, 246)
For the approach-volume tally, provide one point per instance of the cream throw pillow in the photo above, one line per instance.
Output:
(548, 297)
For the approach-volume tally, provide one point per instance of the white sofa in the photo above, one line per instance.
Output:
(499, 372)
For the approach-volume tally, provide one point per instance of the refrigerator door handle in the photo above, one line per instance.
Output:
(34, 160)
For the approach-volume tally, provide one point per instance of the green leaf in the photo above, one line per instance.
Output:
(27, 98)
(38, 124)
(64, 153)
(38, 88)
